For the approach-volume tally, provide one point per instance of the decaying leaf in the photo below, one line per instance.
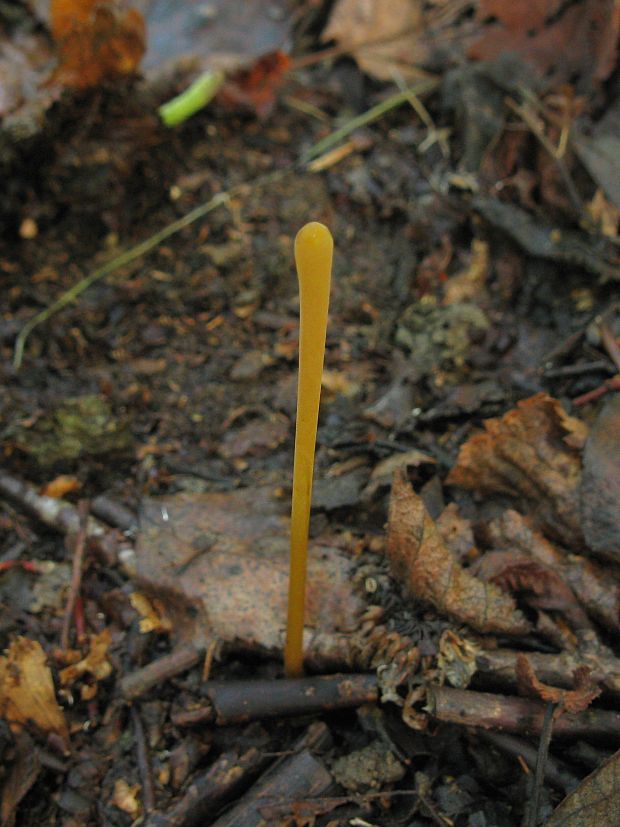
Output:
(27, 690)
(596, 591)
(561, 40)
(153, 613)
(256, 88)
(96, 40)
(385, 34)
(95, 664)
(600, 483)
(531, 455)
(20, 776)
(427, 569)
(538, 585)
(595, 802)
(219, 564)
(126, 797)
(567, 700)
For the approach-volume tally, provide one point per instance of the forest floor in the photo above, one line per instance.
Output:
(474, 278)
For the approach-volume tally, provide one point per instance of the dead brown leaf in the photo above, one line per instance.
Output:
(538, 585)
(561, 40)
(531, 455)
(27, 690)
(385, 35)
(219, 564)
(423, 564)
(595, 802)
(594, 587)
(257, 437)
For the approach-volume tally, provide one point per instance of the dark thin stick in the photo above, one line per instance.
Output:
(144, 763)
(612, 384)
(541, 762)
(610, 344)
(578, 370)
(239, 701)
(556, 773)
(76, 573)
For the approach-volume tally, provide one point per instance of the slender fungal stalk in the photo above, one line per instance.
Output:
(313, 256)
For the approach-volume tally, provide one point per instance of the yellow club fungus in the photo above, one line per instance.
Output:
(313, 256)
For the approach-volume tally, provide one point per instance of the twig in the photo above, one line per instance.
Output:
(510, 713)
(541, 764)
(239, 701)
(556, 773)
(142, 680)
(76, 572)
(610, 344)
(210, 790)
(612, 384)
(143, 761)
(55, 513)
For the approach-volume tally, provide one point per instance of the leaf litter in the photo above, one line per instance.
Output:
(500, 544)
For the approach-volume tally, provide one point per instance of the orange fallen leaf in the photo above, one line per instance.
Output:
(256, 88)
(96, 40)
(27, 691)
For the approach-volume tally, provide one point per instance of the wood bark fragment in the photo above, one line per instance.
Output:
(520, 716)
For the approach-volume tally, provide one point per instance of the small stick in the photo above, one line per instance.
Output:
(313, 255)
(55, 513)
(76, 572)
(143, 761)
(516, 715)
(240, 701)
(142, 680)
(541, 765)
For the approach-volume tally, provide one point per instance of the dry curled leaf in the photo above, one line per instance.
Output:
(126, 797)
(532, 455)
(423, 564)
(95, 663)
(153, 613)
(539, 585)
(567, 700)
(596, 591)
(27, 691)
(96, 40)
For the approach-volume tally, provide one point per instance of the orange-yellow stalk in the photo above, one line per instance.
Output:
(313, 256)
